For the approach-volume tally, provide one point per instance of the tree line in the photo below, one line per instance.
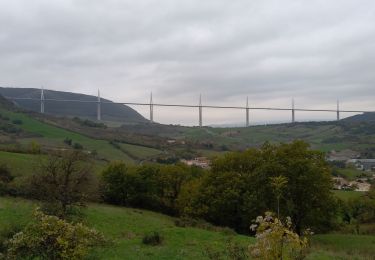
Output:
(290, 179)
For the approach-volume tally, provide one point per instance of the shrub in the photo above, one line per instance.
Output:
(17, 121)
(77, 146)
(153, 239)
(34, 147)
(276, 240)
(49, 237)
(6, 233)
(5, 178)
(68, 141)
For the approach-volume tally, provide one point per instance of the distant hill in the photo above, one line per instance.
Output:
(109, 112)
(366, 117)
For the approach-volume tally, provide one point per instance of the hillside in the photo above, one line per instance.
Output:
(110, 112)
(126, 227)
(138, 142)
(19, 130)
(365, 117)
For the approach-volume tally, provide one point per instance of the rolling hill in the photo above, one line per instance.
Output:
(109, 112)
(126, 227)
(365, 117)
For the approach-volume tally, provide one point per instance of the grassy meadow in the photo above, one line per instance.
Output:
(53, 136)
(125, 227)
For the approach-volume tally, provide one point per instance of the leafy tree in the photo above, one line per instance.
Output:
(119, 184)
(238, 188)
(64, 182)
(49, 237)
(150, 186)
(278, 183)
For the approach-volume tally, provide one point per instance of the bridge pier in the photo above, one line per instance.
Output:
(151, 109)
(247, 112)
(42, 100)
(293, 112)
(98, 108)
(200, 111)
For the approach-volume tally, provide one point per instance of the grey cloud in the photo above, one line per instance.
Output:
(226, 50)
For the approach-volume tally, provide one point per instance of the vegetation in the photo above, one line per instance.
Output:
(5, 178)
(276, 240)
(238, 188)
(57, 166)
(152, 186)
(126, 227)
(63, 182)
(49, 237)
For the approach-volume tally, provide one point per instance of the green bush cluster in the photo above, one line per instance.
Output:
(155, 187)
(154, 239)
(49, 237)
(236, 189)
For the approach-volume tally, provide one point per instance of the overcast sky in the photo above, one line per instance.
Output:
(271, 51)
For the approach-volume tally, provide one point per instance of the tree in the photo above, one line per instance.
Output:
(64, 182)
(238, 188)
(150, 186)
(278, 183)
(119, 184)
(49, 237)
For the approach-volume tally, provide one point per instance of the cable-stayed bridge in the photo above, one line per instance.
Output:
(247, 109)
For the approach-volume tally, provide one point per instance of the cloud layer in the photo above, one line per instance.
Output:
(270, 50)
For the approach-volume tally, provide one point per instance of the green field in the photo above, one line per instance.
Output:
(346, 195)
(126, 227)
(18, 163)
(52, 135)
(140, 151)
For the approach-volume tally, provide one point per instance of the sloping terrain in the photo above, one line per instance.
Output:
(366, 117)
(19, 130)
(126, 227)
(109, 112)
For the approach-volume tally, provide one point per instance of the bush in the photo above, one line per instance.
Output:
(68, 141)
(49, 237)
(6, 233)
(151, 186)
(77, 146)
(5, 178)
(17, 121)
(276, 240)
(153, 239)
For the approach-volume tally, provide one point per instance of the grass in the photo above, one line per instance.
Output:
(25, 164)
(19, 164)
(338, 246)
(346, 195)
(54, 136)
(352, 174)
(140, 151)
(126, 228)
